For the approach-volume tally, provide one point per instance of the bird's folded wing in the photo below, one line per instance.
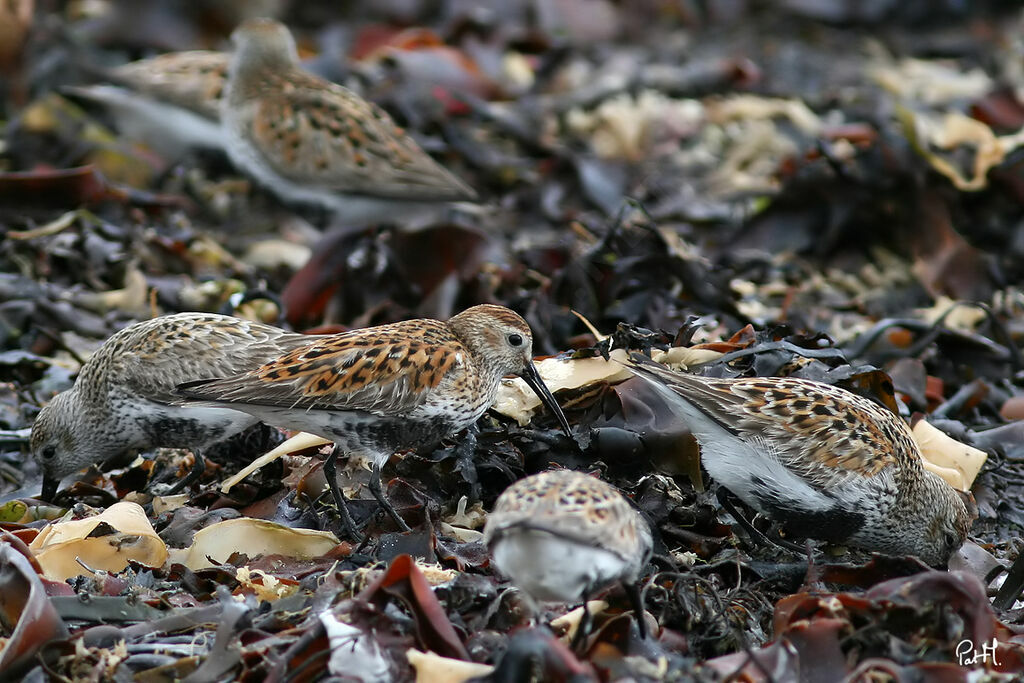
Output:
(823, 433)
(338, 374)
(324, 135)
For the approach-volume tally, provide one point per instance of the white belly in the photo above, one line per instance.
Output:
(551, 568)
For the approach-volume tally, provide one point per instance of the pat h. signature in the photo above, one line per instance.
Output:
(968, 655)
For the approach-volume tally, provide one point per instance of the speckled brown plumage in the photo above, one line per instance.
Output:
(827, 463)
(577, 507)
(193, 80)
(388, 370)
(314, 141)
(562, 535)
(396, 366)
(124, 397)
(824, 432)
(376, 390)
(170, 102)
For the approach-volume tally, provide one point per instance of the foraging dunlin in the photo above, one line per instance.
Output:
(123, 399)
(824, 462)
(313, 141)
(561, 535)
(380, 389)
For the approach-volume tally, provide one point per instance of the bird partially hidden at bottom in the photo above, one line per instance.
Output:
(825, 462)
(380, 389)
(560, 535)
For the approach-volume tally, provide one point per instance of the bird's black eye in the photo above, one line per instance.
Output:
(515, 339)
(49, 452)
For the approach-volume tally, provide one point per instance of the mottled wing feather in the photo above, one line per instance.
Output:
(835, 427)
(194, 80)
(384, 372)
(576, 507)
(207, 346)
(324, 135)
(805, 424)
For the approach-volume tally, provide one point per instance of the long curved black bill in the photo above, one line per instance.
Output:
(532, 377)
(50, 486)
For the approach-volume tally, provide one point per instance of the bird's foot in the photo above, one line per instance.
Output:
(198, 467)
(378, 493)
(331, 473)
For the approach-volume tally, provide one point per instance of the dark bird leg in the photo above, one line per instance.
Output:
(464, 462)
(198, 467)
(755, 535)
(378, 493)
(812, 581)
(331, 472)
(636, 598)
(582, 629)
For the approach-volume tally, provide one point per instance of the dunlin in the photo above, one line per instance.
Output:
(313, 141)
(824, 462)
(171, 101)
(380, 389)
(561, 535)
(123, 399)
(192, 80)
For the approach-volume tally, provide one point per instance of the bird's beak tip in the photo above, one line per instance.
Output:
(49, 489)
(532, 377)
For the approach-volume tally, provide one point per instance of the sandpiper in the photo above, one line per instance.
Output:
(192, 80)
(380, 389)
(171, 101)
(823, 461)
(123, 399)
(313, 141)
(561, 535)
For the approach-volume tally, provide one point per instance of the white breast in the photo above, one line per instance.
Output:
(551, 568)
